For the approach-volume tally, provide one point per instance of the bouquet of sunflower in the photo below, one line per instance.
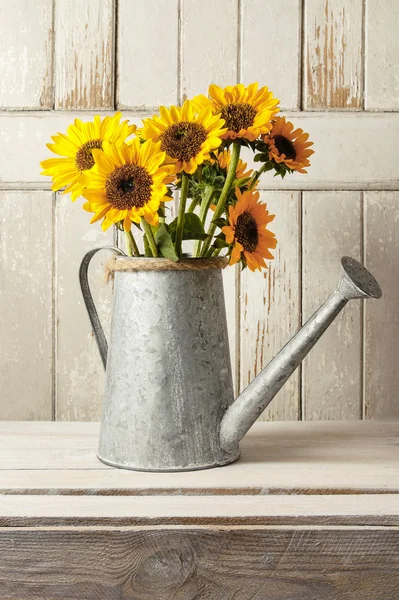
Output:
(128, 175)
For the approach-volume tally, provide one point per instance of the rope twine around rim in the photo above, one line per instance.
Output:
(130, 264)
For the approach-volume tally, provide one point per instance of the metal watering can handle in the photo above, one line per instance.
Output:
(89, 302)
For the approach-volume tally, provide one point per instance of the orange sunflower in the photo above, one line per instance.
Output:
(247, 231)
(247, 111)
(75, 149)
(128, 182)
(289, 146)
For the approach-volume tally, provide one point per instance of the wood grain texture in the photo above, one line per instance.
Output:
(26, 312)
(264, 57)
(333, 71)
(276, 458)
(187, 563)
(209, 45)
(381, 56)
(338, 137)
(265, 299)
(147, 53)
(79, 371)
(332, 372)
(382, 318)
(35, 510)
(84, 54)
(26, 46)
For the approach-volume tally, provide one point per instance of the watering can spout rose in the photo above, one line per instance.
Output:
(169, 402)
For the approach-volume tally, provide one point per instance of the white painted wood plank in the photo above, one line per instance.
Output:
(209, 45)
(270, 47)
(26, 311)
(26, 46)
(292, 457)
(186, 508)
(147, 53)
(79, 374)
(332, 372)
(381, 56)
(382, 317)
(333, 71)
(342, 156)
(84, 54)
(270, 304)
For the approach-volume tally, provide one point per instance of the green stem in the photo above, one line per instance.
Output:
(162, 207)
(221, 205)
(131, 245)
(255, 177)
(150, 237)
(205, 204)
(182, 211)
(192, 205)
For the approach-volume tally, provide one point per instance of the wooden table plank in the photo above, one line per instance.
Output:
(277, 458)
(310, 511)
(187, 563)
(39, 510)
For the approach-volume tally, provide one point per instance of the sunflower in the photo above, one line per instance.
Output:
(247, 111)
(127, 182)
(76, 149)
(224, 158)
(289, 146)
(247, 231)
(186, 135)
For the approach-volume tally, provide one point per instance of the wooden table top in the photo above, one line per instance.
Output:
(302, 472)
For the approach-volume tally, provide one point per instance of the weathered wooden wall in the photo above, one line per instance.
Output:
(334, 65)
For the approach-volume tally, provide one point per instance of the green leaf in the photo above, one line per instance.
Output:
(219, 243)
(219, 222)
(218, 182)
(193, 228)
(165, 244)
(240, 182)
(172, 227)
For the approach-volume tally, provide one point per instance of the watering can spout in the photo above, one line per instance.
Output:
(355, 282)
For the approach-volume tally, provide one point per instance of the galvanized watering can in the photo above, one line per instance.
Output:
(169, 403)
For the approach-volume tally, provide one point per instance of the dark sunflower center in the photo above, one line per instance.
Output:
(285, 146)
(183, 140)
(84, 157)
(246, 231)
(238, 116)
(128, 186)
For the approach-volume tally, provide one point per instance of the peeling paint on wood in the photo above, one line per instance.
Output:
(270, 50)
(79, 372)
(381, 56)
(332, 372)
(381, 242)
(26, 46)
(147, 53)
(84, 54)
(26, 312)
(333, 67)
(209, 45)
(270, 313)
